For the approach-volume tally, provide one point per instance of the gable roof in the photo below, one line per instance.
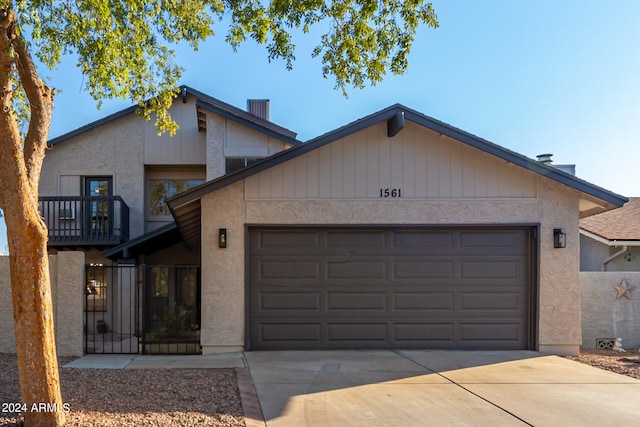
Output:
(203, 102)
(620, 225)
(185, 207)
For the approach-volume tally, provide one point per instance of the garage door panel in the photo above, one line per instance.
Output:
(421, 301)
(288, 269)
(340, 269)
(491, 331)
(357, 332)
(356, 239)
(376, 301)
(493, 270)
(422, 269)
(461, 288)
(493, 301)
(289, 332)
(429, 242)
(273, 241)
(430, 333)
(288, 301)
(498, 242)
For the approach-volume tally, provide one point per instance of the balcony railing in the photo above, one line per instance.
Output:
(85, 220)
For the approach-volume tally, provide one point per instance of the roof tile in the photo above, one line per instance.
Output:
(618, 224)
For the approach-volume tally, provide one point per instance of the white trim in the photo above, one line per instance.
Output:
(614, 243)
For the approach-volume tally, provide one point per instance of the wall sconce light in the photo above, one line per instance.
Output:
(222, 238)
(559, 238)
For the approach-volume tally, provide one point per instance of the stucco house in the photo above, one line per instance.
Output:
(396, 230)
(105, 184)
(609, 277)
(610, 241)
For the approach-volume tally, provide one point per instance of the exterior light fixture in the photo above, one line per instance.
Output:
(559, 238)
(222, 238)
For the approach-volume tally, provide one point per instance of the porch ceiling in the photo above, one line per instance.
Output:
(188, 219)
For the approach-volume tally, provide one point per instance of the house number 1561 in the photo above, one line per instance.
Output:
(390, 192)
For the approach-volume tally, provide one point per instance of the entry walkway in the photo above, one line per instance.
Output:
(136, 361)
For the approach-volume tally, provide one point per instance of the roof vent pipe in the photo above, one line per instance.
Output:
(545, 158)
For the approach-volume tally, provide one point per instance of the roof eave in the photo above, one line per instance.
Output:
(611, 199)
(235, 113)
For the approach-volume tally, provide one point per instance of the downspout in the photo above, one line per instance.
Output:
(615, 255)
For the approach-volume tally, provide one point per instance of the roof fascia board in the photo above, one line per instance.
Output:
(279, 132)
(140, 239)
(595, 237)
(272, 131)
(613, 243)
(420, 119)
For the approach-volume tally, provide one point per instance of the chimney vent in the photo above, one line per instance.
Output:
(545, 158)
(259, 107)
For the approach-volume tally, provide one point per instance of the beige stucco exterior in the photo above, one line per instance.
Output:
(130, 150)
(605, 313)
(443, 182)
(67, 278)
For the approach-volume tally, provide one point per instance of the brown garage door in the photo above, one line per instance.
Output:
(322, 288)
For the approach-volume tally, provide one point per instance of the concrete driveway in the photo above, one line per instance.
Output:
(438, 388)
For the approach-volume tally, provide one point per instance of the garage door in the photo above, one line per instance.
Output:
(326, 288)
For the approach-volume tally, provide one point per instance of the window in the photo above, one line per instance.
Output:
(162, 189)
(233, 164)
(96, 292)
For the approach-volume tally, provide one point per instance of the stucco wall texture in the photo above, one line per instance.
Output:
(223, 270)
(604, 314)
(67, 281)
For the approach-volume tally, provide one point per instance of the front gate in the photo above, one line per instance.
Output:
(142, 309)
(112, 307)
(171, 315)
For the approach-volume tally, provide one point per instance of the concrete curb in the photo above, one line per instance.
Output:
(253, 416)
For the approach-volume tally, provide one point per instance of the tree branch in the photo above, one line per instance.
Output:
(40, 98)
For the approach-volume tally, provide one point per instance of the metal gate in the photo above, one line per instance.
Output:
(142, 309)
(171, 310)
(112, 307)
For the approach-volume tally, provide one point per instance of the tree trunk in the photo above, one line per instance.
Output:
(33, 320)
(20, 164)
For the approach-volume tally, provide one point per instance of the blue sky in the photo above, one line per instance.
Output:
(559, 77)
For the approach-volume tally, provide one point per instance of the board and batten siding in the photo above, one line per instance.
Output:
(420, 163)
(187, 147)
(242, 141)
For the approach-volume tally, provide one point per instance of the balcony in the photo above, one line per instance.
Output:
(93, 221)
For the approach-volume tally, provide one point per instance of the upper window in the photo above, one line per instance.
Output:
(233, 164)
(162, 189)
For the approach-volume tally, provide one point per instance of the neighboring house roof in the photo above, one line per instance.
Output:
(185, 207)
(619, 226)
(207, 103)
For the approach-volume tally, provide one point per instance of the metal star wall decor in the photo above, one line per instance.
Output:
(622, 290)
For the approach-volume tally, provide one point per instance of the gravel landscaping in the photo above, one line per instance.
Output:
(625, 363)
(136, 397)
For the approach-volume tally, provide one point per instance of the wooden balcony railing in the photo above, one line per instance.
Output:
(85, 220)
